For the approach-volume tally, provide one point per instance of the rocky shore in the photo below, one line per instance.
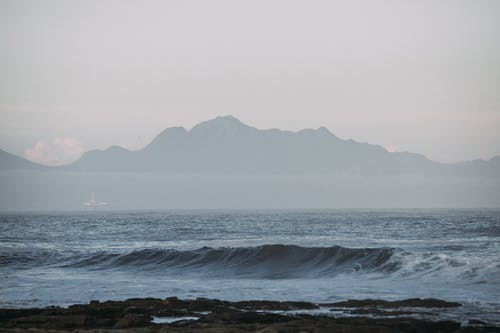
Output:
(146, 315)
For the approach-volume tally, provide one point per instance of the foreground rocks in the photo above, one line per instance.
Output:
(136, 315)
(412, 302)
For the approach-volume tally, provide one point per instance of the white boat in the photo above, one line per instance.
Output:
(93, 203)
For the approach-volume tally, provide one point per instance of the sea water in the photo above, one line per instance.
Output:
(318, 256)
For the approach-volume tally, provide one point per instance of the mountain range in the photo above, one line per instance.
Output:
(226, 145)
(10, 161)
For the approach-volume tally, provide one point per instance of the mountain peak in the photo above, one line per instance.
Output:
(172, 131)
(169, 136)
(228, 117)
(325, 130)
(221, 123)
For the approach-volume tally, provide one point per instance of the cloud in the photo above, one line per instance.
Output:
(392, 148)
(60, 151)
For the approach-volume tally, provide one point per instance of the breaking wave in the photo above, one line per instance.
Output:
(275, 261)
(267, 261)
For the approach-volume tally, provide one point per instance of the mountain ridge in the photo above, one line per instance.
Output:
(10, 161)
(227, 145)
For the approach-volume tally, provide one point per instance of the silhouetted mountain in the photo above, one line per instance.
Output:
(9, 161)
(226, 145)
(223, 163)
(480, 167)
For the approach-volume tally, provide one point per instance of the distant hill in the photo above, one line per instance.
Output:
(223, 163)
(479, 167)
(9, 161)
(226, 145)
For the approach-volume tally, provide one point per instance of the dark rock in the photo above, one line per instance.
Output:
(134, 315)
(9, 314)
(379, 312)
(228, 314)
(133, 320)
(205, 304)
(104, 322)
(413, 302)
(174, 303)
(274, 306)
(50, 321)
(175, 313)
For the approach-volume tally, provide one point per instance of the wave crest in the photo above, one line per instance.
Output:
(266, 261)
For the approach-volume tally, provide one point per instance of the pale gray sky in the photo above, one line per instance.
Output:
(422, 76)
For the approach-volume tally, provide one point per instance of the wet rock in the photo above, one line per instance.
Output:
(174, 303)
(133, 320)
(104, 322)
(413, 302)
(379, 312)
(50, 321)
(274, 306)
(176, 313)
(7, 315)
(134, 316)
(233, 315)
(205, 304)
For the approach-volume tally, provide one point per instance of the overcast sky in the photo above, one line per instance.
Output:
(420, 76)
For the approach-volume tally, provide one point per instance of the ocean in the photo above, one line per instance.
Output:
(308, 255)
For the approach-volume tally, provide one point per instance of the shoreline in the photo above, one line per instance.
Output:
(211, 315)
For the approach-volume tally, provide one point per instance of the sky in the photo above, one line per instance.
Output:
(420, 76)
